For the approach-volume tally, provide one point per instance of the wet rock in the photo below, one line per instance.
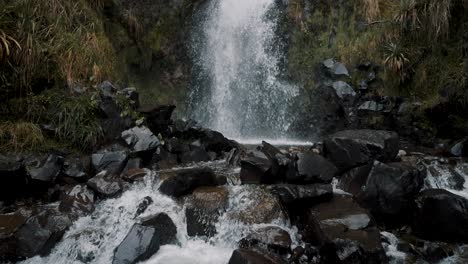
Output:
(312, 168)
(176, 146)
(78, 201)
(460, 149)
(335, 68)
(9, 225)
(216, 142)
(271, 237)
(298, 195)
(13, 178)
(352, 148)
(107, 89)
(344, 90)
(134, 163)
(143, 205)
(186, 180)
(235, 156)
(441, 215)
(105, 185)
(133, 175)
(140, 139)
(140, 244)
(205, 206)
(110, 161)
(74, 168)
(43, 169)
(247, 256)
(164, 226)
(264, 208)
(353, 180)
(371, 106)
(390, 190)
(256, 170)
(158, 118)
(41, 232)
(165, 159)
(344, 230)
(195, 155)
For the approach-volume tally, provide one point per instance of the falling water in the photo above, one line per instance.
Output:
(239, 90)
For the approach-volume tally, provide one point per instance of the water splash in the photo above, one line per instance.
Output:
(239, 59)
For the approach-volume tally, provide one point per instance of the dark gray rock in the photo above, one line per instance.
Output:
(441, 215)
(140, 244)
(165, 159)
(41, 232)
(143, 205)
(158, 118)
(343, 90)
(205, 206)
(352, 148)
(298, 195)
(186, 180)
(353, 180)
(131, 94)
(344, 231)
(106, 185)
(44, 169)
(74, 168)
(372, 106)
(335, 68)
(164, 226)
(255, 170)
(110, 161)
(133, 175)
(248, 256)
(312, 168)
(140, 139)
(176, 146)
(195, 155)
(271, 237)
(9, 225)
(460, 149)
(107, 89)
(78, 201)
(13, 178)
(390, 190)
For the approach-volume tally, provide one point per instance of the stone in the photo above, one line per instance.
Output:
(205, 206)
(353, 180)
(74, 168)
(13, 178)
(9, 225)
(140, 244)
(41, 232)
(105, 185)
(110, 161)
(133, 175)
(158, 118)
(371, 106)
(164, 226)
(264, 208)
(460, 149)
(143, 205)
(140, 139)
(272, 237)
(390, 190)
(352, 148)
(247, 256)
(343, 230)
(343, 90)
(299, 195)
(335, 68)
(78, 201)
(107, 89)
(176, 146)
(165, 159)
(442, 216)
(131, 94)
(255, 170)
(43, 169)
(186, 180)
(312, 168)
(194, 156)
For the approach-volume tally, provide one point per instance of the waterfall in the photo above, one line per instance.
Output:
(239, 91)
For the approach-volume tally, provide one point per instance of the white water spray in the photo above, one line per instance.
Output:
(240, 57)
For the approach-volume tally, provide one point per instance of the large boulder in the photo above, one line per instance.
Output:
(311, 168)
(41, 232)
(78, 201)
(110, 161)
(390, 190)
(352, 148)
(186, 180)
(460, 149)
(204, 207)
(106, 185)
(164, 226)
(353, 180)
(441, 215)
(43, 169)
(13, 178)
(302, 195)
(74, 169)
(140, 244)
(158, 118)
(9, 225)
(195, 155)
(248, 256)
(272, 237)
(140, 139)
(344, 231)
(256, 169)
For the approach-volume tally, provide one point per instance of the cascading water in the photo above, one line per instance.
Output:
(239, 91)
